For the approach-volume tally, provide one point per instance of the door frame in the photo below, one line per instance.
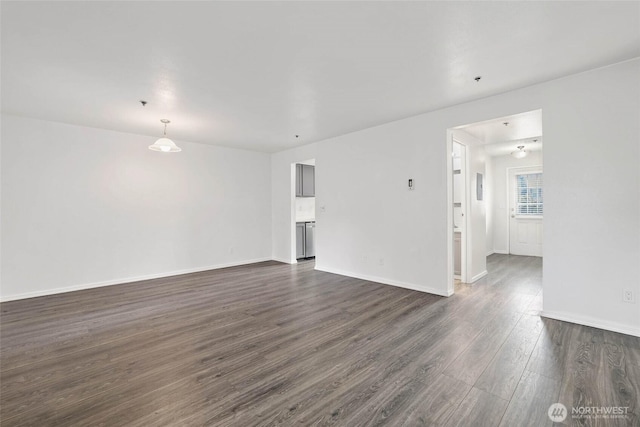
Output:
(464, 205)
(292, 204)
(464, 256)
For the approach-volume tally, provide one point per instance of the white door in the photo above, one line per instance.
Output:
(525, 211)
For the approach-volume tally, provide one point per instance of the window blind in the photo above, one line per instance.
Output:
(529, 194)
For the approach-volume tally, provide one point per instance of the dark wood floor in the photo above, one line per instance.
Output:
(273, 344)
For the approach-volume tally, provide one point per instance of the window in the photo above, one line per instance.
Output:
(529, 194)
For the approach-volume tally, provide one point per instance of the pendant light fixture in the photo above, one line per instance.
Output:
(164, 144)
(521, 153)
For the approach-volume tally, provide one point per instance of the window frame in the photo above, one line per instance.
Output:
(517, 189)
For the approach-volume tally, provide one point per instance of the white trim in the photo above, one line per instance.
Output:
(592, 322)
(491, 252)
(450, 234)
(465, 205)
(124, 280)
(292, 211)
(500, 251)
(384, 281)
(478, 276)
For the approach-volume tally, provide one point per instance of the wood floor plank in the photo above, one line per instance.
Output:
(597, 374)
(276, 344)
(503, 373)
(413, 403)
(478, 408)
(531, 401)
(101, 369)
(551, 353)
(471, 363)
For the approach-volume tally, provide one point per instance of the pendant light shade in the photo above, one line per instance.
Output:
(521, 153)
(164, 144)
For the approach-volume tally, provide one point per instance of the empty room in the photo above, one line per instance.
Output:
(230, 213)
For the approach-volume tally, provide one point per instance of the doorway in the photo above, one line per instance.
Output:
(495, 200)
(303, 205)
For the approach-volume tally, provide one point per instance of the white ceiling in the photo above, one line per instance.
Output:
(254, 74)
(500, 139)
(504, 148)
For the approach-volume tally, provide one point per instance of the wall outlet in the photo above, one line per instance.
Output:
(628, 296)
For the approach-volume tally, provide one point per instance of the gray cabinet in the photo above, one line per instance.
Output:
(305, 181)
(300, 244)
(305, 240)
(298, 180)
(308, 181)
(309, 239)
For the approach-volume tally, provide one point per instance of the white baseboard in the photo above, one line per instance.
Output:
(490, 253)
(500, 251)
(479, 276)
(384, 281)
(594, 323)
(127, 280)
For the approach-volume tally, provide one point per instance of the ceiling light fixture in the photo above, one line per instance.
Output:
(164, 144)
(521, 153)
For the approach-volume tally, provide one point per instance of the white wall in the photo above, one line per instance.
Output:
(500, 191)
(83, 207)
(592, 134)
(373, 226)
(305, 209)
(1, 212)
(476, 209)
